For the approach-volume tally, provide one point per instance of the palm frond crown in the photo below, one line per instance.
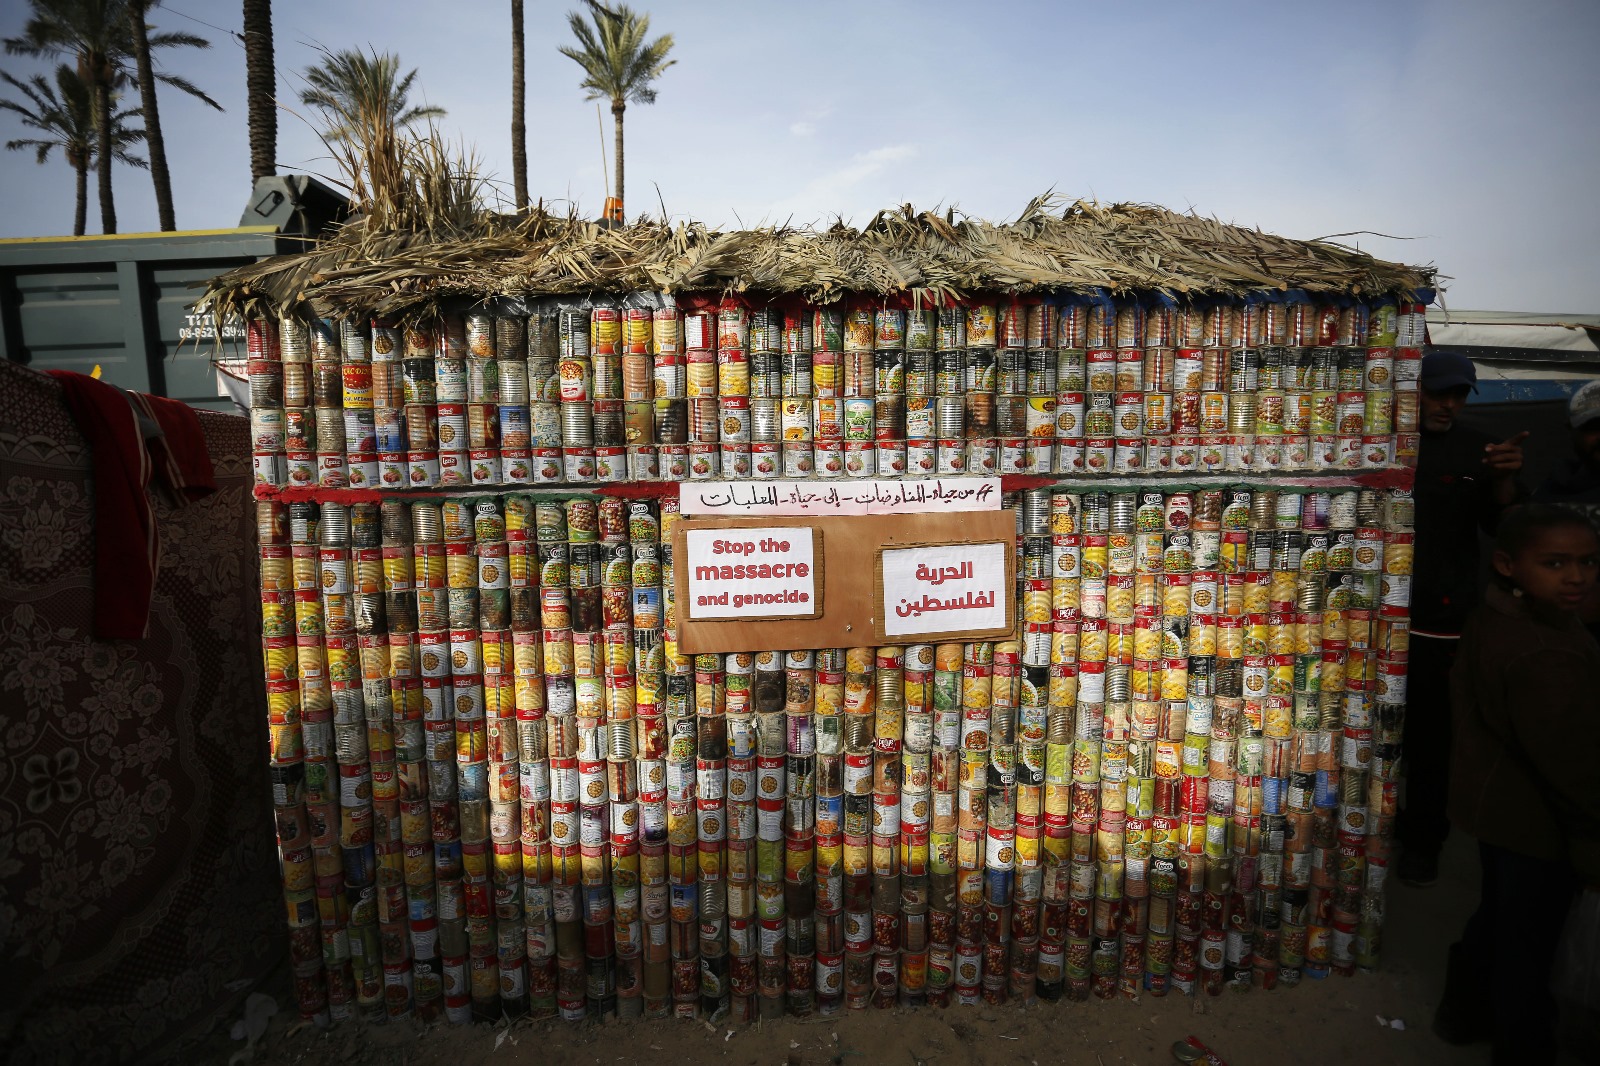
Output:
(618, 63)
(64, 114)
(354, 89)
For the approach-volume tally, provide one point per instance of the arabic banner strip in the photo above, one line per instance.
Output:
(877, 497)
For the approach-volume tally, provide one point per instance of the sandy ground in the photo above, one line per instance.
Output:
(1330, 1021)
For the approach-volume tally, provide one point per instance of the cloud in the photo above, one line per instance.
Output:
(828, 191)
(861, 166)
(802, 128)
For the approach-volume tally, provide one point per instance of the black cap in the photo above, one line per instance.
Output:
(1448, 370)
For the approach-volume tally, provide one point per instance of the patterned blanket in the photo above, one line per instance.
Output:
(138, 876)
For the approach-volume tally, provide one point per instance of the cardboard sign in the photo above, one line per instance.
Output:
(758, 571)
(848, 581)
(928, 591)
(753, 499)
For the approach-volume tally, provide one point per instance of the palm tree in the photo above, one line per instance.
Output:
(139, 34)
(98, 35)
(618, 64)
(519, 94)
(64, 115)
(260, 73)
(352, 87)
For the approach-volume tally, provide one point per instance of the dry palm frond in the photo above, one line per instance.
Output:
(423, 242)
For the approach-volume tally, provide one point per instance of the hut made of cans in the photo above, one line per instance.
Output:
(501, 787)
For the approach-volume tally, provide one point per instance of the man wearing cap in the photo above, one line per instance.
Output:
(1577, 485)
(1464, 480)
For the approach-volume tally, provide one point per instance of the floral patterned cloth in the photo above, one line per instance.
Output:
(138, 876)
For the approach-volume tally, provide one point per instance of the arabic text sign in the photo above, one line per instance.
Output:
(761, 572)
(944, 588)
(794, 498)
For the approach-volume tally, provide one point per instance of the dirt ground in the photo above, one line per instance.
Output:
(1336, 1020)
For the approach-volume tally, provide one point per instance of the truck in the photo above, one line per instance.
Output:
(124, 302)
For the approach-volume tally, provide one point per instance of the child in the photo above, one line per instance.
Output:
(1526, 691)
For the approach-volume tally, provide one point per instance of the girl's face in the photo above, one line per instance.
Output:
(1557, 568)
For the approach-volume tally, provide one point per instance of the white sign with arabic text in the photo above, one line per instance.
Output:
(944, 588)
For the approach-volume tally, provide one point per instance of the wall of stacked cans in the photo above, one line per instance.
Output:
(499, 786)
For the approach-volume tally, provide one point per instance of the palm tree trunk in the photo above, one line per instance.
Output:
(260, 77)
(101, 73)
(152, 116)
(617, 107)
(80, 214)
(519, 93)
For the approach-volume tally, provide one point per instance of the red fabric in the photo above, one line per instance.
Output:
(125, 534)
(179, 455)
(127, 543)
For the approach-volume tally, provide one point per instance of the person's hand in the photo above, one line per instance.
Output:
(1505, 458)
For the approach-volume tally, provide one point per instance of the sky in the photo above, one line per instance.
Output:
(1459, 133)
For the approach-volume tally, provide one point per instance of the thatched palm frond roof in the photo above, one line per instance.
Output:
(933, 256)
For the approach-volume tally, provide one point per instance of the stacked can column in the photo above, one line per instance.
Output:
(651, 749)
(359, 434)
(681, 752)
(701, 456)
(371, 625)
(975, 680)
(1011, 383)
(463, 692)
(268, 422)
(891, 362)
(588, 658)
(638, 389)
(444, 940)
(287, 753)
(483, 410)
(410, 754)
(1368, 825)
(1037, 455)
(824, 456)
(280, 391)
(1057, 692)
(856, 725)
(387, 347)
(1032, 717)
(711, 816)
(888, 842)
(543, 330)
(670, 418)
(777, 732)
(1000, 904)
(619, 695)
(525, 556)
(608, 405)
(327, 393)
(419, 415)
(448, 335)
(916, 821)
(358, 943)
(575, 375)
(814, 878)
(725, 426)
(504, 601)
(562, 745)
(508, 342)
(740, 790)
(280, 413)
(938, 669)
(321, 776)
